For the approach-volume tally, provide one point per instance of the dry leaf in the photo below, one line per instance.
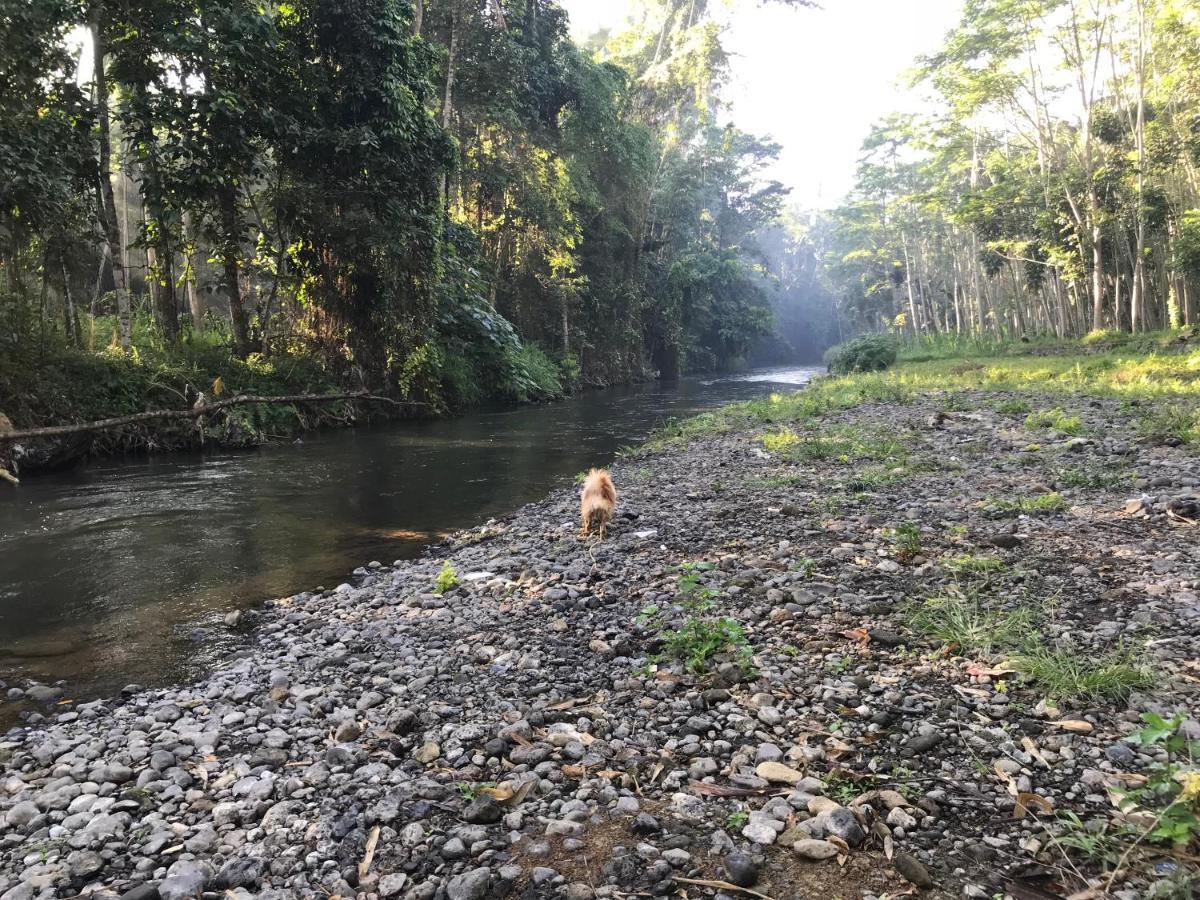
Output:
(979, 669)
(1027, 800)
(1007, 779)
(1031, 746)
(575, 771)
(704, 789)
(861, 635)
(1076, 725)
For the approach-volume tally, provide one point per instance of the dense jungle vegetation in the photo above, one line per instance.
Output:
(446, 200)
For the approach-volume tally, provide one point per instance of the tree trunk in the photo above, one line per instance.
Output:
(1097, 270)
(195, 298)
(111, 246)
(418, 16)
(231, 263)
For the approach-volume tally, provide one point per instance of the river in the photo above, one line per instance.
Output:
(122, 571)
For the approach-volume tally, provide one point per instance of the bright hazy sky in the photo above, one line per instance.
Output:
(813, 79)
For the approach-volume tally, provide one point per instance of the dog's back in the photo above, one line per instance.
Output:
(597, 501)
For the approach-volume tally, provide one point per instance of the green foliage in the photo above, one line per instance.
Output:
(906, 538)
(447, 579)
(737, 820)
(871, 353)
(1170, 424)
(1042, 504)
(971, 564)
(1065, 673)
(1170, 798)
(1014, 406)
(701, 635)
(969, 624)
(1056, 420)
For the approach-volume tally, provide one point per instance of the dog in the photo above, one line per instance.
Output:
(597, 502)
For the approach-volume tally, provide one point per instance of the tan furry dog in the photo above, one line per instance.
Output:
(597, 502)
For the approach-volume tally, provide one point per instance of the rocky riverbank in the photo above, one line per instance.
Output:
(807, 663)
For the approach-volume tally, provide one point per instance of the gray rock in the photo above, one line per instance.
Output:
(392, 884)
(842, 823)
(22, 814)
(472, 885)
(185, 880)
(741, 869)
(815, 850)
(483, 810)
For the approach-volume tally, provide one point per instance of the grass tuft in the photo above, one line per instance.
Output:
(1065, 673)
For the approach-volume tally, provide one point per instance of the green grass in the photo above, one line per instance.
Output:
(1066, 673)
(1172, 423)
(1030, 506)
(969, 564)
(1095, 477)
(971, 625)
(1056, 420)
(1013, 406)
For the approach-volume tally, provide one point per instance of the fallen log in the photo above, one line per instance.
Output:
(196, 412)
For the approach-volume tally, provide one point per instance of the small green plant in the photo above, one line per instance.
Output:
(1056, 420)
(1099, 845)
(1167, 807)
(1170, 424)
(698, 640)
(447, 579)
(1094, 477)
(806, 566)
(780, 440)
(1065, 673)
(906, 538)
(838, 665)
(470, 791)
(737, 820)
(970, 564)
(1014, 406)
(841, 787)
(968, 624)
(1032, 506)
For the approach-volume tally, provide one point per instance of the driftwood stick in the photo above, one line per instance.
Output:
(201, 409)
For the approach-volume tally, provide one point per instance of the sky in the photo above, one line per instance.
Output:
(814, 79)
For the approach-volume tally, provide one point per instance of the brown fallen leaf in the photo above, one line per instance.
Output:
(1026, 800)
(1077, 726)
(575, 771)
(1032, 748)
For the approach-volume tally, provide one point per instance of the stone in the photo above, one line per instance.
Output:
(22, 814)
(741, 869)
(185, 880)
(483, 810)
(842, 823)
(814, 850)
(427, 753)
(778, 773)
(913, 871)
(471, 885)
(392, 884)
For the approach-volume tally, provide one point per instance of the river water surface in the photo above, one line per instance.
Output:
(122, 570)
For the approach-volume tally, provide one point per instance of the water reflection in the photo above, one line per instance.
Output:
(120, 571)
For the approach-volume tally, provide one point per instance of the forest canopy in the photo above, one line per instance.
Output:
(1053, 188)
(450, 199)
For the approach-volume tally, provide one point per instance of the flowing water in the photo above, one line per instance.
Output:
(123, 570)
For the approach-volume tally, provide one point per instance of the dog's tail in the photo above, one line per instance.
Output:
(600, 482)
